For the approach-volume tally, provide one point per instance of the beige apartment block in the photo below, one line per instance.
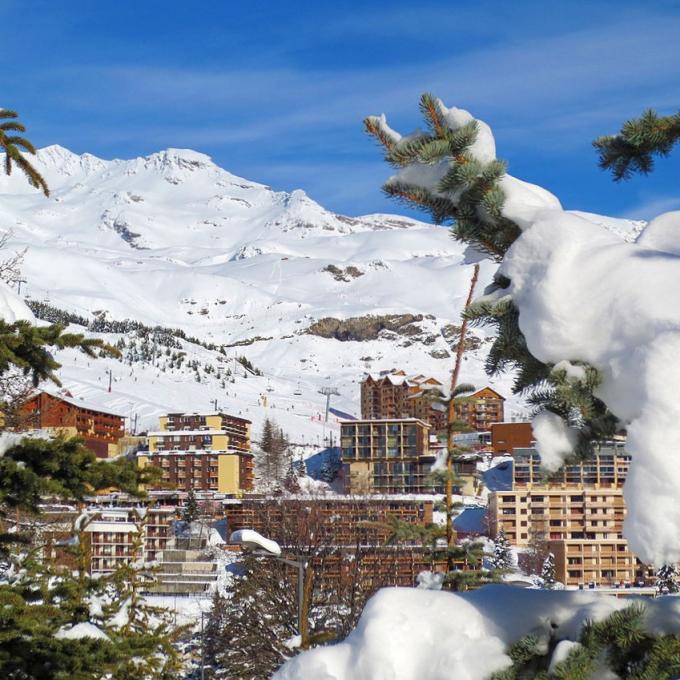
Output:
(557, 514)
(204, 452)
(579, 511)
(238, 429)
(606, 562)
(386, 456)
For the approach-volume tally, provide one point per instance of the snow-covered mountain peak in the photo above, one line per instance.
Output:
(172, 239)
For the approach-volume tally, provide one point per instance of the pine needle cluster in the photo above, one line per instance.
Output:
(618, 646)
(632, 150)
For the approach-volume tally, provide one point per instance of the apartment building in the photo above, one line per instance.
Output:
(237, 429)
(346, 535)
(339, 520)
(481, 409)
(397, 395)
(61, 413)
(386, 456)
(120, 534)
(579, 512)
(203, 452)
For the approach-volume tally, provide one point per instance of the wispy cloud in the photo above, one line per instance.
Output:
(559, 83)
(653, 206)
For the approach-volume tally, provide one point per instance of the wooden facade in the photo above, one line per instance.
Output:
(397, 395)
(481, 409)
(346, 537)
(506, 437)
(100, 430)
(335, 521)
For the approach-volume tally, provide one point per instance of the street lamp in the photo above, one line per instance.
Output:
(255, 544)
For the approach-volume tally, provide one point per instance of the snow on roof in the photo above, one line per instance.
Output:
(80, 403)
(399, 378)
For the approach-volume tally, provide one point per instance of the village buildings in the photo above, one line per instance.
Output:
(396, 395)
(214, 456)
(101, 430)
(576, 513)
(480, 409)
(120, 531)
(386, 456)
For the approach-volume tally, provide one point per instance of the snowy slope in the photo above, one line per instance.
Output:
(172, 239)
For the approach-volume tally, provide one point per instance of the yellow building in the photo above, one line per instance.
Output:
(204, 452)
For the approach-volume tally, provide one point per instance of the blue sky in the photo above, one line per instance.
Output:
(275, 91)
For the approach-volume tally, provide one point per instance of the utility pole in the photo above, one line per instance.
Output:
(214, 403)
(110, 372)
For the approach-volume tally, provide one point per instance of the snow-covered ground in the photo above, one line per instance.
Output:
(413, 634)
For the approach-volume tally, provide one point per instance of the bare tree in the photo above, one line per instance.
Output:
(10, 267)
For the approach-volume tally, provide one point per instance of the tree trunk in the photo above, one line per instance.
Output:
(451, 417)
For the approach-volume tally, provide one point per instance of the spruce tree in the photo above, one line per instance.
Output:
(190, 512)
(667, 580)
(548, 571)
(502, 552)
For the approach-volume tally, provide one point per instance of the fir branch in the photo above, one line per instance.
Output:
(429, 107)
(634, 147)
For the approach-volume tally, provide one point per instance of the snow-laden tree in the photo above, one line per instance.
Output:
(502, 552)
(548, 571)
(667, 580)
(581, 312)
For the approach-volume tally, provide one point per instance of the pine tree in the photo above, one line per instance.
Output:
(276, 456)
(470, 198)
(548, 571)
(328, 471)
(190, 512)
(502, 552)
(667, 580)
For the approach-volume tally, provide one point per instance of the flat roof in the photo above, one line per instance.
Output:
(384, 420)
(186, 433)
(203, 414)
(193, 452)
